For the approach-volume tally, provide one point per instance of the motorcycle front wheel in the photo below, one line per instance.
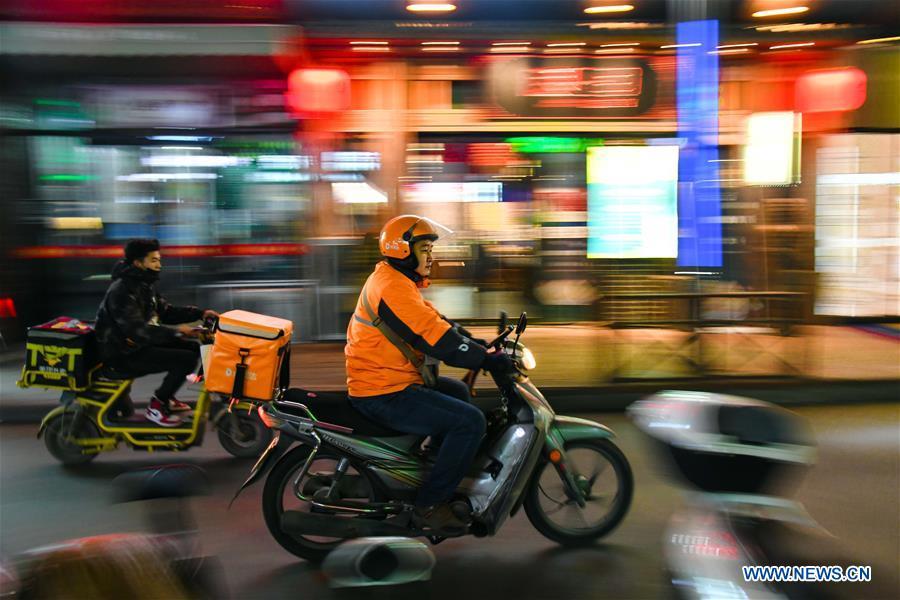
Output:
(604, 476)
(279, 497)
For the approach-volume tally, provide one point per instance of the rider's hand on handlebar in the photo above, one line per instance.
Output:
(186, 331)
(480, 341)
(498, 362)
(210, 314)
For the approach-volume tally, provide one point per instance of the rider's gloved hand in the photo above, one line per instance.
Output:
(498, 362)
(466, 333)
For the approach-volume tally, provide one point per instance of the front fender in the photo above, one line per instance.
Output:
(562, 431)
(49, 417)
(570, 429)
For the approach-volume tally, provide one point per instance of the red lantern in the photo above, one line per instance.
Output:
(318, 91)
(831, 90)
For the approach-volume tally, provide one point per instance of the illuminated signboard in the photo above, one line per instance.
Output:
(574, 86)
(441, 192)
(771, 150)
(549, 145)
(632, 202)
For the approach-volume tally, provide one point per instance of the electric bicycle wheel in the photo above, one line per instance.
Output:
(604, 476)
(250, 439)
(59, 439)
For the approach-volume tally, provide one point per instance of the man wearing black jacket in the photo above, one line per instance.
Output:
(130, 332)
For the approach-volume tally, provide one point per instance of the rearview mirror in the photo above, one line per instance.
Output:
(501, 326)
(523, 322)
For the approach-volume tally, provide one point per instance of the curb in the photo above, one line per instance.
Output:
(616, 397)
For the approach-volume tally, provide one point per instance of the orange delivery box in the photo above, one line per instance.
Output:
(250, 358)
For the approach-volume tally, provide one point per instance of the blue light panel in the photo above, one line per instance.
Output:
(699, 195)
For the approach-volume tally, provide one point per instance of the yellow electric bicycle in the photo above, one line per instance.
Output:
(84, 425)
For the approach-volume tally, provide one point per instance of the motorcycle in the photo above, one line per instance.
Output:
(334, 475)
(742, 458)
(83, 426)
(163, 562)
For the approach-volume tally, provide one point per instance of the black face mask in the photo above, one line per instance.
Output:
(149, 276)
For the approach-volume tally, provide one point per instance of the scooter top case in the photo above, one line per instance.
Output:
(722, 443)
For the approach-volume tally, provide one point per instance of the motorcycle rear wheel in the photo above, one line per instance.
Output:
(61, 448)
(546, 499)
(279, 486)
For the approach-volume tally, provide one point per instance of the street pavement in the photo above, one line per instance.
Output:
(853, 491)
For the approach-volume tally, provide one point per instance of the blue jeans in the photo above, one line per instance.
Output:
(445, 414)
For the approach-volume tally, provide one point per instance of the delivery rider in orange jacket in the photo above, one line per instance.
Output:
(392, 338)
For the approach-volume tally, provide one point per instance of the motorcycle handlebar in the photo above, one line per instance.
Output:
(495, 343)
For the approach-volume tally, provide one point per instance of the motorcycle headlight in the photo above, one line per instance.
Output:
(526, 359)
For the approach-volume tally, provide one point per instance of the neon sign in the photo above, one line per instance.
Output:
(585, 87)
(573, 87)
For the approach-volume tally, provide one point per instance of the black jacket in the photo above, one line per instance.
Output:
(131, 302)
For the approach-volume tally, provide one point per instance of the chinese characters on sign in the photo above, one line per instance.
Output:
(577, 87)
(585, 87)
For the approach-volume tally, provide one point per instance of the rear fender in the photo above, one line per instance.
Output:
(268, 459)
(49, 417)
(247, 407)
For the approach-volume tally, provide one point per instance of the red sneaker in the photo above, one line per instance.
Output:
(176, 405)
(158, 413)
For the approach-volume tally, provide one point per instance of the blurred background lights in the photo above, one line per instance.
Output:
(600, 7)
(780, 12)
(826, 90)
(318, 90)
(430, 7)
(769, 157)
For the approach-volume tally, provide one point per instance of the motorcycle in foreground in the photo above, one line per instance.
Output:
(348, 477)
(742, 457)
(164, 562)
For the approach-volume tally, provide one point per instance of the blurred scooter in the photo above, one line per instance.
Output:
(162, 564)
(743, 458)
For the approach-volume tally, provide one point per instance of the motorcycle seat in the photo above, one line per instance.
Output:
(110, 373)
(336, 409)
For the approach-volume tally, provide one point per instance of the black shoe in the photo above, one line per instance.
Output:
(442, 519)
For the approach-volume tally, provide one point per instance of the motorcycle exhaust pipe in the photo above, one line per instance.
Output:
(295, 522)
(378, 561)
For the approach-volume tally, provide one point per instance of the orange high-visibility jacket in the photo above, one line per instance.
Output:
(376, 366)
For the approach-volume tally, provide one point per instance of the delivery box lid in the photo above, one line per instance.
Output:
(242, 322)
